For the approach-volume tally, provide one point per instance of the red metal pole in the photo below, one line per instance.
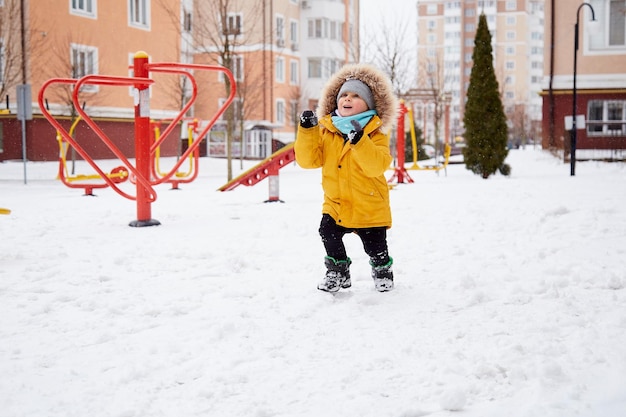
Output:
(400, 142)
(400, 173)
(142, 142)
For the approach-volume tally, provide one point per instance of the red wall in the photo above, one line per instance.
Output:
(41, 143)
(563, 107)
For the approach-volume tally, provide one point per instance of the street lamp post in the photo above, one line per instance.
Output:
(574, 133)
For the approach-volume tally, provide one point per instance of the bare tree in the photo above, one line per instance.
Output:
(433, 86)
(520, 128)
(10, 46)
(68, 60)
(217, 32)
(387, 48)
(17, 37)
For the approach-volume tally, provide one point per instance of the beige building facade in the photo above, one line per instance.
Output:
(446, 32)
(279, 52)
(600, 75)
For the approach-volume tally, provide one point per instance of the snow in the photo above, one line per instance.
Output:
(510, 299)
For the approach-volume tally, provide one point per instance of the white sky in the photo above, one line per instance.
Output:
(387, 11)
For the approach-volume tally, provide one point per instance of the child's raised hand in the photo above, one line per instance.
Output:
(308, 119)
(355, 135)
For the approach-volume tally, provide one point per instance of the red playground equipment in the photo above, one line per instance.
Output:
(145, 146)
(118, 174)
(179, 177)
(400, 173)
(268, 168)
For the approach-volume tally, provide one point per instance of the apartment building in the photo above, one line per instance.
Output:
(446, 32)
(282, 52)
(600, 77)
(70, 39)
(279, 51)
(330, 38)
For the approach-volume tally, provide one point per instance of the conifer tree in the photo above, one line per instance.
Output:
(484, 119)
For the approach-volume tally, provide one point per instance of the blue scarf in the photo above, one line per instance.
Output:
(344, 123)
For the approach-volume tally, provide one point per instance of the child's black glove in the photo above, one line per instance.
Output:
(308, 119)
(355, 135)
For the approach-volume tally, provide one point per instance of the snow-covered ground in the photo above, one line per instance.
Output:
(510, 299)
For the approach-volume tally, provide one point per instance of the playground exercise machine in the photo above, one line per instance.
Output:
(145, 148)
(179, 177)
(447, 149)
(117, 175)
(400, 173)
(268, 168)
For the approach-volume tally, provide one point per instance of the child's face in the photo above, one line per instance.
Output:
(350, 104)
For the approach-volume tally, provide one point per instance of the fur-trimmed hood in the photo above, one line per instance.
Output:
(376, 80)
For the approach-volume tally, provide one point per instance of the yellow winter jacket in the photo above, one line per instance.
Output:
(356, 194)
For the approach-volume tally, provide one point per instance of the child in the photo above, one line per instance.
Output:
(356, 110)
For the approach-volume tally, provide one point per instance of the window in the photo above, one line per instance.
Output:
(236, 67)
(606, 117)
(333, 66)
(187, 21)
(294, 110)
(280, 111)
(84, 60)
(333, 30)
(315, 28)
(237, 108)
(325, 29)
(280, 28)
(510, 65)
(510, 50)
(293, 31)
(139, 12)
(611, 20)
(536, 36)
(511, 5)
(431, 8)
(280, 69)
(234, 24)
(294, 72)
(315, 68)
(617, 23)
(510, 35)
(82, 7)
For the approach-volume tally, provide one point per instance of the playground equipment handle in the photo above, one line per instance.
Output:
(177, 68)
(84, 154)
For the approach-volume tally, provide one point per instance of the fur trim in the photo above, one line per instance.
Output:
(378, 82)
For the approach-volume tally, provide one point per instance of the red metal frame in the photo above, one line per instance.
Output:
(144, 146)
(400, 173)
(193, 125)
(267, 167)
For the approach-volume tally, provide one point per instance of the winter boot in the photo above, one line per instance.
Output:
(383, 276)
(337, 275)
